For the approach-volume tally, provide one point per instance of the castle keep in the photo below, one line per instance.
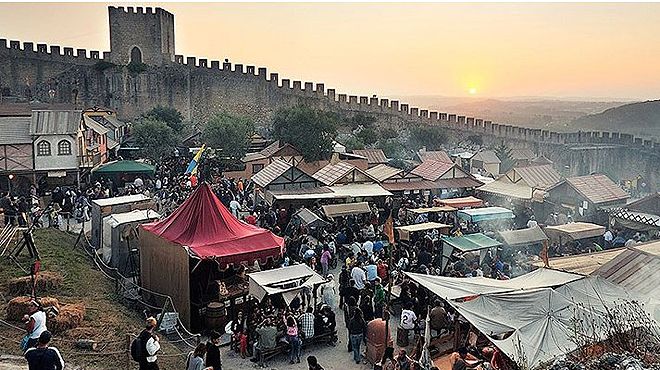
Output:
(144, 39)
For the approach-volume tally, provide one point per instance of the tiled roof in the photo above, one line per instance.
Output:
(486, 156)
(270, 149)
(15, 130)
(517, 154)
(458, 183)
(97, 127)
(374, 156)
(271, 172)
(49, 122)
(633, 269)
(333, 172)
(538, 177)
(541, 160)
(436, 155)
(597, 188)
(252, 157)
(383, 172)
(431, 170)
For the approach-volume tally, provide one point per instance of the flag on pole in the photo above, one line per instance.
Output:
(192, 167)
(388, 229)
(544, 254)
(425, 361)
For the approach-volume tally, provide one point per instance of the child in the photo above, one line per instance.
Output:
(243, 339)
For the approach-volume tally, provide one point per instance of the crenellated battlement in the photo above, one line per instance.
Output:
(17, 49)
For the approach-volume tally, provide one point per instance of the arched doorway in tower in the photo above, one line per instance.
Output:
(136, 55)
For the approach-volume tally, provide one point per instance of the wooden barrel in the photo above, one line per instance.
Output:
(216, 313)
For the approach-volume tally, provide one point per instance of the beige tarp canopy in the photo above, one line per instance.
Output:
(405, 231)
(288, 281)
(336, 210)
(522, 237)
(574, 231)
(432, 209)
(450, 288)
(360, 190)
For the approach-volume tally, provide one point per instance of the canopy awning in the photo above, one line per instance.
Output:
(285, 280)
(322, 192)
(360, 190)
(485, 214)
(508, 189)
(121, 167)
(450, 288)
(465, 202)
(522, 237)
(574, 231)
(125, 199)
(309, 218)
(471, 242)
(405, 231)
(137, 215)
(432, 209)
(539, 325)
(207, 228)
(336, 210)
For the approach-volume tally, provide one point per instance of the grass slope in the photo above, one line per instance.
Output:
(106, 321)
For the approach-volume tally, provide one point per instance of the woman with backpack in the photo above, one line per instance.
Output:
(145, 347)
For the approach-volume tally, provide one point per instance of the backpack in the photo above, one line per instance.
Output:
(137, 350)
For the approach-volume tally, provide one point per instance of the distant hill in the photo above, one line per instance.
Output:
(534, 112)
(641, 119)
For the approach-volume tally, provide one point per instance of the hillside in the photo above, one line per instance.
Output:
(637, 118)
(549, 114)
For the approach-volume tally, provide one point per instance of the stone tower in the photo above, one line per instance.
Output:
(141, 35)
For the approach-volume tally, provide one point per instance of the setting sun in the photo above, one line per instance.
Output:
(472, 90)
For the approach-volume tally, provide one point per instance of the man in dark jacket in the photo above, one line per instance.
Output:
(44, 357)
(213, 352)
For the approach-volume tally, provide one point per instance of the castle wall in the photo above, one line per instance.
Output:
(199, 88)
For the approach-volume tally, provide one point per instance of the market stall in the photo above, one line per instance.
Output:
(476, 242)
(485, 214)
(199, 244)
(522, 238)
(288, 281)
(107, 206)
(346, 209)
(120, 242)
(463, 203)
(405, 232)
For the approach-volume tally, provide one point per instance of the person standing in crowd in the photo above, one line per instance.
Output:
(267, 334)
(306, 321)
(359, 276)
(325, 260)
(43, 356)
(356, 328)
(313, 364)
(294, 339)
(213, 360)
(150, 346)
(35, 323)
(196, 358)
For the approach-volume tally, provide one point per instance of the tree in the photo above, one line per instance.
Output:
(392, 148)
(353, 143)
(169, 116)
(431, 137)
(155, 139)
(309, 130)
(230, 135)
(367, 135)
(360, 120)
(503, 152)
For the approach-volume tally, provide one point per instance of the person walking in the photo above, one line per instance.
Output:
(196, 358)
(356, 328)
(294, 339)
(325, 260)
(149, 346)
(44, 357)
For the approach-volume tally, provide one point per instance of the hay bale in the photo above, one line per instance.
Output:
(19, 306)
(47, 281)
(70, 317)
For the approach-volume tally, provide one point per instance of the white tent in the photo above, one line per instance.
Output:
(120, 236)
(288, 280)
(456, 288)
(535, 326)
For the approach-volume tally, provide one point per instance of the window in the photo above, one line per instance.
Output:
(43, 148)
(257, 167)
(64, 148)
(136, 55)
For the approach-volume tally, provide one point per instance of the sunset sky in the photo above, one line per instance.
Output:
(488, 50)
